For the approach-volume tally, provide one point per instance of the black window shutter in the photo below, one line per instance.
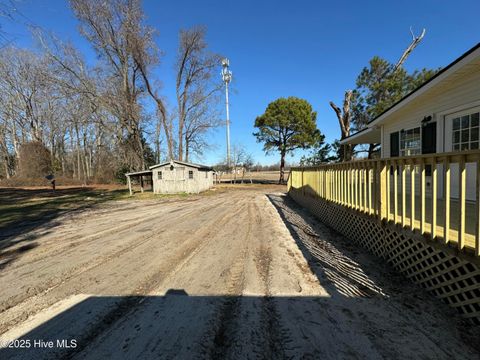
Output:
(394, 144)
(429, 138)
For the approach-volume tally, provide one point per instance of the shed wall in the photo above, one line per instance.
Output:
(177, 180)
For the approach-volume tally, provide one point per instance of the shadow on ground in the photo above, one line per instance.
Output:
(181, 326)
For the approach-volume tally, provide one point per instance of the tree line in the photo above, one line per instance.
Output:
(93, 121)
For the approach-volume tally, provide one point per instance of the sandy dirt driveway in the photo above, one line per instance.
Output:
(244, 273)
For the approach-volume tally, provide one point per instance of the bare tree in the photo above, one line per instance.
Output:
(195, 87)
(415, 41)
(93, 119)
(343, 117)
(115, 30)
(199, 121)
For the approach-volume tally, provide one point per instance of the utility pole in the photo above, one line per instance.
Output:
(227, 77)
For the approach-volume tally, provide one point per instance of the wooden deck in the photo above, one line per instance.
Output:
(470, 221)
(383, 188)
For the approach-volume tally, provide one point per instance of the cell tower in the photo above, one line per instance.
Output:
(227, 77)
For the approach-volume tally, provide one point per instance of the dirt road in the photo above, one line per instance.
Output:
(243, 273)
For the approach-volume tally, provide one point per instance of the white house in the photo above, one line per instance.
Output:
(440, 116)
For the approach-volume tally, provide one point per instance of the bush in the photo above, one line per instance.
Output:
(34, 161)
(120, 174)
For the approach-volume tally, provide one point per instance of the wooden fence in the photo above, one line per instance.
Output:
(394, 190)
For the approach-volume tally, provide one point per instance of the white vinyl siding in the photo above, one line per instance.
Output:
(438, 102)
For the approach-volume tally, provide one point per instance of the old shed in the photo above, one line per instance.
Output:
(176, 177)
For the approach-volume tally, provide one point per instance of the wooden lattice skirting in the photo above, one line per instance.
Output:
(454, 279)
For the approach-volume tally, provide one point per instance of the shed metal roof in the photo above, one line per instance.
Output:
(198, 166)
(138, 173)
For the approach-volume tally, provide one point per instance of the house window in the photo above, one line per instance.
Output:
(206, 174)
(159, 175)
(465, 132)
(190, 174)
(410, 142)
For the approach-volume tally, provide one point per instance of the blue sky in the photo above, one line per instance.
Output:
(310, 49)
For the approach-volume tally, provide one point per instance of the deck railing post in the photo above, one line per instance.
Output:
(387, 190)
(347, 185)
(446, 225)
(434, 198)
(353, 188)
(325, 187)
(412, 199)
(383, 189)
(369, 190)
(357, 186)
(365, 194)
(375, 187)
(462, 174)
(422, 197)
(404, 196)
(477, 209)
(339, 169)
(395, 191)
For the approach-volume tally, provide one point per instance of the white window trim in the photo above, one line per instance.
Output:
(448, 117)
(400, 140)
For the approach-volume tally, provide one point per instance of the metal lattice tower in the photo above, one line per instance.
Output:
(227, 77)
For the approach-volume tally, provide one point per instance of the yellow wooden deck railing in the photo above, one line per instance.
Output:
(396, 190)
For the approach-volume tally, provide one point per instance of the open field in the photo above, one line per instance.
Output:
(263, 177)
(239, 272)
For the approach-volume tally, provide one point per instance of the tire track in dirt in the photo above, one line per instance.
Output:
(274, 336)
(103, 260)
(91, 263)
(151, 284)
(86, 240)
(216, 343)
(148, 286)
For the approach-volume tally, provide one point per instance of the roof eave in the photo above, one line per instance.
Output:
(370, 135)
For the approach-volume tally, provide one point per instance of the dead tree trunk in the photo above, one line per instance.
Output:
(344, 117)
(371, 150)
(415, 41)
